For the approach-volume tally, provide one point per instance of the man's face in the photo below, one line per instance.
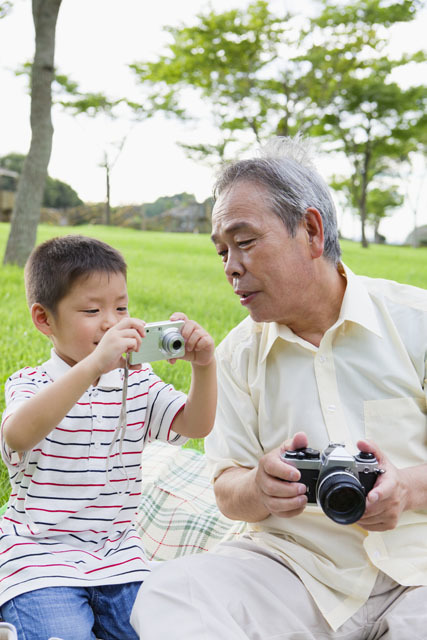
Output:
(93, 305)
(268, 269)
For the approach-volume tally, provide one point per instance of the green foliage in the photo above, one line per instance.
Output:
(231, 58)
(57, 194)
(67, 93)
(168, 272)
(364, 112)
(164, 203)
(11, 162)
(5, 7)
(380, 202)
(262, 74)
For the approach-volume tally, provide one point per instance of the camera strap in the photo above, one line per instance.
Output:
(120, 429)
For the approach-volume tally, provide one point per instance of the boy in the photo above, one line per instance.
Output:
(71, 560)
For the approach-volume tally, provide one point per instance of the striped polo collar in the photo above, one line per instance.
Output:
(56, 367)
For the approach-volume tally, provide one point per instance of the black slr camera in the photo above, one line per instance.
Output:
(336, 480)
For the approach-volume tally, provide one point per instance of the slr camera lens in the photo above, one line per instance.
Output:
(341, 496)
(338, 481)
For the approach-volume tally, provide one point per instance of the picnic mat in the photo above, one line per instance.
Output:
(178, 513)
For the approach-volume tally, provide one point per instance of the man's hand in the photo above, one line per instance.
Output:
(277, 482)
(199, 344)
(389, 496)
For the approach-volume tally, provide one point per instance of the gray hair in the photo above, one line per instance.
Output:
(285, 167)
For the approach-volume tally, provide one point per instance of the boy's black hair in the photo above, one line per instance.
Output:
(54, 266)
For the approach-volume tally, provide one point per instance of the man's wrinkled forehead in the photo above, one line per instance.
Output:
(230, 229)
(235, 208)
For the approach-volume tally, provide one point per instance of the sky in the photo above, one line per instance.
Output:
(95, 41)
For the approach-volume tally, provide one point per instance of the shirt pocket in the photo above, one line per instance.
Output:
(399, 427)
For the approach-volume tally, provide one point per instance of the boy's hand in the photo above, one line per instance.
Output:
(123, 337)
(199, 345)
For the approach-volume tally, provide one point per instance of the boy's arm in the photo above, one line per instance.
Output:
(35, 418)
(197, 418)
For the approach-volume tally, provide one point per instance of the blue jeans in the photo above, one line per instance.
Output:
(74, 613)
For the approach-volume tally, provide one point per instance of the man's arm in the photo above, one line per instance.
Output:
(271, 488)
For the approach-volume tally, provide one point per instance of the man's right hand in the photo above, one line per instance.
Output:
(277, 482)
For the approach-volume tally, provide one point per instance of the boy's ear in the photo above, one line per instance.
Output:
(41, 318)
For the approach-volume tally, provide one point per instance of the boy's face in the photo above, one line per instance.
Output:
(94, 304)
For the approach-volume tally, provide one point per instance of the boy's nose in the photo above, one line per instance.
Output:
(108, 321)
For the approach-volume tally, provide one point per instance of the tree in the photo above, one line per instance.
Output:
(5, 8)
(11, 162)
(56, 194)
(335, 81)
(380, 202)
(59, 195)
(43, 80)
(367, 116)
(234, 62)
(29, 196)
(108, 164)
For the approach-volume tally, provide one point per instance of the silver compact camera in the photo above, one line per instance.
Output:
(336, 480)
(163, 341)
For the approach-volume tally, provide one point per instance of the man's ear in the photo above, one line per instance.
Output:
(41, 318)
(314, 227)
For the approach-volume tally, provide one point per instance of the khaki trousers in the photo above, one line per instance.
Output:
(239, 592)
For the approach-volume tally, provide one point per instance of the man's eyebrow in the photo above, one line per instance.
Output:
(236, 226)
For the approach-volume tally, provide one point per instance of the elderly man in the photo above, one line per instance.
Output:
(325, 356)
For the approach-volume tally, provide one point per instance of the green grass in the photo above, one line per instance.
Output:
(167, 272)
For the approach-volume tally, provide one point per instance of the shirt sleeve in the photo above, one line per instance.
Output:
(20, 387)
(234, 440)
(164, 404)
(425, 379)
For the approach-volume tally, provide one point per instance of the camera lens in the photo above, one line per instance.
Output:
(341, 497)
(172, 343)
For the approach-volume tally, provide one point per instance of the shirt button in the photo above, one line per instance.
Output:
(95, 393)
(322, 359)
(331, 408)
(377, 555)
(97, 445)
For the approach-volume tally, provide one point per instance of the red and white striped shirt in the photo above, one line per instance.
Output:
(74, 495)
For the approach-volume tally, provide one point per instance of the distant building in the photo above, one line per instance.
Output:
(418, 237)
(7, 195)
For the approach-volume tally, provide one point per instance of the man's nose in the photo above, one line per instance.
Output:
(233, 267)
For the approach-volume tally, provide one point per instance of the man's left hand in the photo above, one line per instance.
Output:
(388, 498)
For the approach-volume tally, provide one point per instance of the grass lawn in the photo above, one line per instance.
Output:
(168, 272)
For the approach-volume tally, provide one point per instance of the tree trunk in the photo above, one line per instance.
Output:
(26, 212)
(107, 201)
(364, 240)
(364, 193)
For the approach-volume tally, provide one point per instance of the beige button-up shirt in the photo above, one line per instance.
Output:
(367, 379)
